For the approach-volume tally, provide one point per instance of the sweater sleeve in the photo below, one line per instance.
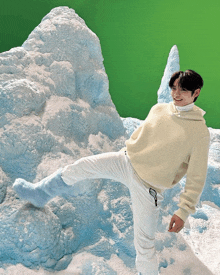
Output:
(195, 180)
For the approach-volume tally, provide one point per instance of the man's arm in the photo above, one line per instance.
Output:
(195, 181)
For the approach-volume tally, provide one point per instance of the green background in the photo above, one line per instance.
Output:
(136, 38)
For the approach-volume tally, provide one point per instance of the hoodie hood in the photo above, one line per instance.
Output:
(195, 113)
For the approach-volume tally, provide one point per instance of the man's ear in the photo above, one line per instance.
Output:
(196, 93)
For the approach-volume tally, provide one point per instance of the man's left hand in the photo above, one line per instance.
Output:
(179, 224)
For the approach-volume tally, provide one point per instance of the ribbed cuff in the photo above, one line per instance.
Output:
(182, 214)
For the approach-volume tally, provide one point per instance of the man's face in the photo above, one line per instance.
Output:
(182, 97)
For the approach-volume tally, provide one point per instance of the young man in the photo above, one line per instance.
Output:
(172, 141)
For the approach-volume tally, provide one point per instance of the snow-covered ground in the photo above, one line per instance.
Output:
(56, 108)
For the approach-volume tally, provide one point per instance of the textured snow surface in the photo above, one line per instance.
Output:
(164, 92)
(56, 108)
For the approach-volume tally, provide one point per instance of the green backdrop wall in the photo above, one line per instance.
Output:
(136, 37)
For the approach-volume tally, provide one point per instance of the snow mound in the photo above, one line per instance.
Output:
(54, 96)
(55, 108)
(164, 92)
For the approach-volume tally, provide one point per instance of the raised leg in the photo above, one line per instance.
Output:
(111, 165)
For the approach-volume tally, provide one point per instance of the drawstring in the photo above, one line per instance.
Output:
(153, 193)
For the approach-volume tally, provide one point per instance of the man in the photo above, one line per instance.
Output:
(172, 141)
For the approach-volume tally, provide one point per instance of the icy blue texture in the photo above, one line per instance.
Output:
(56, 108)
(164, 92)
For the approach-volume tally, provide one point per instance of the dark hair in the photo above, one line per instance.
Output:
(189, 80)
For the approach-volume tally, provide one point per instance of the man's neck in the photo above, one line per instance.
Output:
(185, 108)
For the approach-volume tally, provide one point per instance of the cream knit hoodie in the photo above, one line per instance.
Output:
(169, 144)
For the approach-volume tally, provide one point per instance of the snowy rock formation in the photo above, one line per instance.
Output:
(164, 92)
(56, 108)
(54, 96)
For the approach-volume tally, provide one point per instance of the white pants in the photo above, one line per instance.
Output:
(117, 166)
